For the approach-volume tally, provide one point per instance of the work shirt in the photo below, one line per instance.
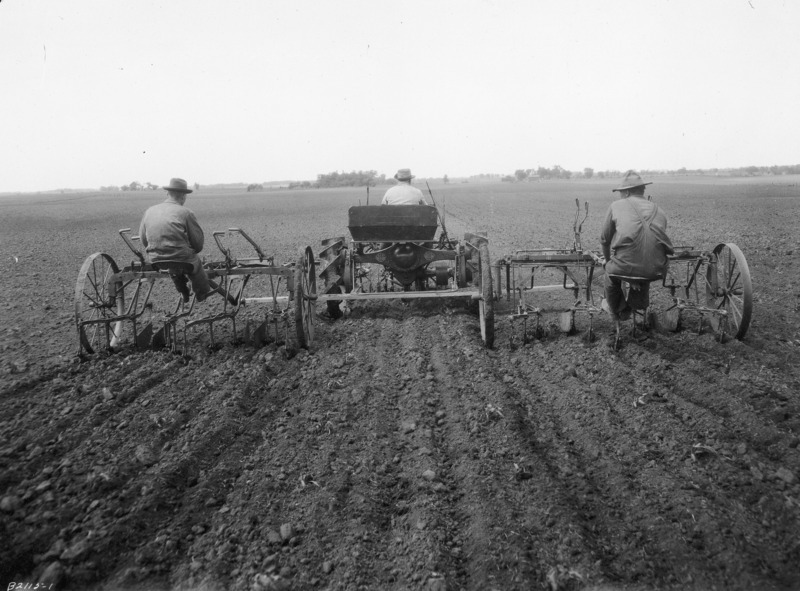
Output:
(169, 231)
(403, 194)
(634, 239)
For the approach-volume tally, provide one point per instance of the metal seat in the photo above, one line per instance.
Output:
(174, 267)
(178, 272)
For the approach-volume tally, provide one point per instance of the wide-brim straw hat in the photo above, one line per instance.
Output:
(631, 180)
(404, 174)
(178, 185)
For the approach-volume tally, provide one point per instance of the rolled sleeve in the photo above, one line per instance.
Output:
(196, 236)
(607, 234)
(143, 233)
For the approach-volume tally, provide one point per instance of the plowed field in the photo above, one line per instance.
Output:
(398, 452)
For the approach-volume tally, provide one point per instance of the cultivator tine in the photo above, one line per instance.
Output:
(511, 332)
(634, 332)
(259, 335)
(144, 336)
(159, 339)
(567, 322)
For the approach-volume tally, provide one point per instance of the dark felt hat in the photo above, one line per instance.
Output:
(178, 185)
(631, 180)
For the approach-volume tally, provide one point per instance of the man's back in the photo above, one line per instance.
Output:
(170, 231)
(403, 194)
(635, 228)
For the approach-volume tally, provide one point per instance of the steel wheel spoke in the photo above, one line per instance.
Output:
(734, 281)
(735, 311)
(733, 290)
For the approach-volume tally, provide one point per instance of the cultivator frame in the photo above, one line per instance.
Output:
(109, 299)
(412, 263)
(712, 287)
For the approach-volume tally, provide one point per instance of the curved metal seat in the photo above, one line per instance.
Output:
(178, 272)
(173, 267)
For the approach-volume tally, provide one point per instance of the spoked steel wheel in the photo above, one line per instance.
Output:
(729, 288)
(305, 285)
(486, 303)
(348, 271)
(98, 300)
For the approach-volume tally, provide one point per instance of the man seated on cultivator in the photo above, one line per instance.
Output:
(403, 193)
(170, 233)
(635, 246)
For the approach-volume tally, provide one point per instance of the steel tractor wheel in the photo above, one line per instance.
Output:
(97, 302)
(348, 271)
(305, 296)
(729, 288)
(486, 303)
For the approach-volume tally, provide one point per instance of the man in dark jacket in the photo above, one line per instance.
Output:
(170, 232)
(635, 246)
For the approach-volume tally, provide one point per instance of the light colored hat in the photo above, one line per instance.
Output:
(631, 180)
(178, 185)
(404, 174)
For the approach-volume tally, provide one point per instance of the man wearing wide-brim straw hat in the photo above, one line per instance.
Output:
(403, 193)
(170, 233)
(635, 246)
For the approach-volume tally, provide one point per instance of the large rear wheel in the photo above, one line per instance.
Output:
(305, 285)
(729, 288)
(486, 303)
(99, 298)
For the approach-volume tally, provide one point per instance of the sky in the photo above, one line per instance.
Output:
(100, 93)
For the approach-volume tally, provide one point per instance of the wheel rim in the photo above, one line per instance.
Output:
(347, 272)
(486, 303)
(311, 290)
(730, 288)
(306, 293)
(461, 268)
(94, 305)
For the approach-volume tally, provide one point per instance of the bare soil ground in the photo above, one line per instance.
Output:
(398, 453)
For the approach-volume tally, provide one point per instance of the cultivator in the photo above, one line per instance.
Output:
(705, 288)
(110, 301)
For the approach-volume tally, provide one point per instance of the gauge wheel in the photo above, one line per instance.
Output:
(99, 299)
(305, 298)
(348, 271)
(486, 302)
(729, 288)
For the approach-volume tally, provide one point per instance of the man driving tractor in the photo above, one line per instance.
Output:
(403, 193)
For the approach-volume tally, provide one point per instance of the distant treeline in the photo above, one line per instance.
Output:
(356, 178)
(557, 172)
(742, 171)
(370, 178)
